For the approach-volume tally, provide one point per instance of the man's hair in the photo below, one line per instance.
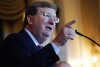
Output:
(32, 9)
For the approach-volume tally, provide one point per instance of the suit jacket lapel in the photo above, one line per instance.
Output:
(28, 41)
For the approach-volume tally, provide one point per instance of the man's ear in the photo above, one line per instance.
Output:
(29, 19)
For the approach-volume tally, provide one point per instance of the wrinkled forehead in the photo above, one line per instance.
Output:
(48, 10)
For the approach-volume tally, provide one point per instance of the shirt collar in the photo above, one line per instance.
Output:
(32, 37)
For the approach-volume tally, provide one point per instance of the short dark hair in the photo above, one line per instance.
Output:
(32, 9)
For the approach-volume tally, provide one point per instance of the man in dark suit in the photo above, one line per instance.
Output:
(21, 49)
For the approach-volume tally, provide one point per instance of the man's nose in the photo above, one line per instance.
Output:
(51, 21)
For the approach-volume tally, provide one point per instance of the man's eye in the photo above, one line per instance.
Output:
(47, 15)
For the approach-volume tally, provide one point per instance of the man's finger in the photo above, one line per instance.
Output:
(70, 23)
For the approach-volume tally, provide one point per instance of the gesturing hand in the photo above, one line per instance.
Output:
(69, 32)
(66, 33)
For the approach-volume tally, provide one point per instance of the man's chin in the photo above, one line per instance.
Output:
(47, 35)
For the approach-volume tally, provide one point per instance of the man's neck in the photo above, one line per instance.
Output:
(40, 39)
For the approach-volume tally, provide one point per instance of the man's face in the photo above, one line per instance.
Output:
(43, 25)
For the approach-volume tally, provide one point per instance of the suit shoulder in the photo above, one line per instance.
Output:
(12, 36)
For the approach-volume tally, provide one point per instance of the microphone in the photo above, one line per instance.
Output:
(87, 37)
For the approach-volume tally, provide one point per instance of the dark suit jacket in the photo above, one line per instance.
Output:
(18, 50)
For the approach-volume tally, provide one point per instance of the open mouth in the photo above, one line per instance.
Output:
(49, 28)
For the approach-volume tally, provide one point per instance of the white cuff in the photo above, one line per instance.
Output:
(56, 49)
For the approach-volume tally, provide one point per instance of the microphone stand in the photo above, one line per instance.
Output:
(87, 37)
